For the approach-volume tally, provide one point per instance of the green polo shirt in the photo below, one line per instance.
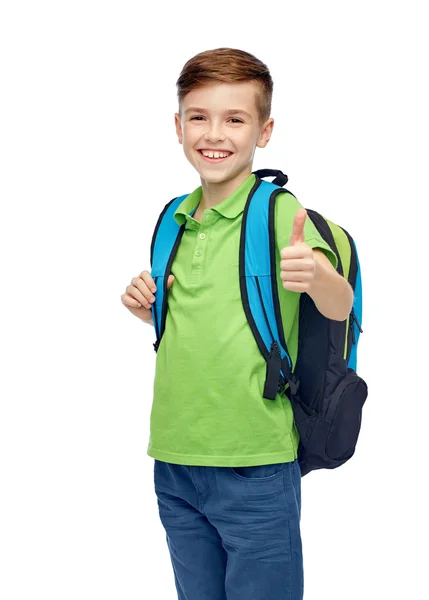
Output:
(208, 406)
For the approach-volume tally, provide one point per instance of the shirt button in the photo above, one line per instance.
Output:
(202, 235)
(198, 253)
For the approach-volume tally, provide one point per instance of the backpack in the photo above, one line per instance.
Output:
(326, 394)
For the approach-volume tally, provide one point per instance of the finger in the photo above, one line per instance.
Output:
(296, 286)
(299, 251)
(297, 235)
(303, 276)
(135, 293)
(139, 290)
(147, 278)
(299, 264)
(170, 280)
(128, 300)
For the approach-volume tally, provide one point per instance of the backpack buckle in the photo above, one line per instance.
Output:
(272, 379)
(293, 384)
(291, 378)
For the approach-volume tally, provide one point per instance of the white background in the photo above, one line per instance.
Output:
(89, 157)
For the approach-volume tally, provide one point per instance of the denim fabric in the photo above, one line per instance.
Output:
(233, 532)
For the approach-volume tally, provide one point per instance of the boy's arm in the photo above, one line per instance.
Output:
(305, 269)
(331, 293)
(149, 322)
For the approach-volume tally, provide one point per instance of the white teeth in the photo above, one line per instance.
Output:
(215, 154)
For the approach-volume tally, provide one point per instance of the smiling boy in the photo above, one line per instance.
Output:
(226, 473)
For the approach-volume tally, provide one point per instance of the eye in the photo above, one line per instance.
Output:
(201, 117)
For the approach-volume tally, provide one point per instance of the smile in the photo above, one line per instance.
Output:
(214, 160)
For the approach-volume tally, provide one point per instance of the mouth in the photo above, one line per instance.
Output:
(214, 160)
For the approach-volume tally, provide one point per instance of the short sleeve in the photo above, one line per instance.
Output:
(286, 208)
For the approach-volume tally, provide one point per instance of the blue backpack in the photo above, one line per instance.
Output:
(326, 394)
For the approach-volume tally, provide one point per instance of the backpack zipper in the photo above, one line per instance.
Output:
(352, 336)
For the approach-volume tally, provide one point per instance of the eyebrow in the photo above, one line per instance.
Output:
(231, 111)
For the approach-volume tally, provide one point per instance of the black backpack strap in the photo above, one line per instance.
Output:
(281, 178)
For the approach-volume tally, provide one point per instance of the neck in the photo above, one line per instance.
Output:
(215, 193)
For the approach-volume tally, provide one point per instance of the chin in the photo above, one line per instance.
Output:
(208, 174)
(210, 178)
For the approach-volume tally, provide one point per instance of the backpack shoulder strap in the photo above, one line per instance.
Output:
(258, 283)
(165, 242)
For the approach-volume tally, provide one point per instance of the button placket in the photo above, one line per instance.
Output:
(202, 236)
(202, 230)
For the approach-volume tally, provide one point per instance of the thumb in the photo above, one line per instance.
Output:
(170, 280)
(297, 235)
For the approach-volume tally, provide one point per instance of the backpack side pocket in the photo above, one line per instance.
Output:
(345, 414)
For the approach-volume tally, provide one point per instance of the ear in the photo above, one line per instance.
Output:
(178, 123)
(266, 132)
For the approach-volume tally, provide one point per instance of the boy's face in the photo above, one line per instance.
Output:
(208, 123)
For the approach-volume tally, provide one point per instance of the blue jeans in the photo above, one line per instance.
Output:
(232, 533)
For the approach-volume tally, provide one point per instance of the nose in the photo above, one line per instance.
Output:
(214, 133)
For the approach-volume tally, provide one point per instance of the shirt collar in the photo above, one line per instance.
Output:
(230, 208)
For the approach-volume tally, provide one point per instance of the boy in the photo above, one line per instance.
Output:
(226, 473)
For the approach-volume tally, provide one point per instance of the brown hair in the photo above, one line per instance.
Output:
(227, 65)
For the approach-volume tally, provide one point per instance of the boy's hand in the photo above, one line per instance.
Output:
(298, 266)
(139, 295)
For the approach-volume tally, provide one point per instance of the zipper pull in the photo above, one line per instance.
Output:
(351, 326)
(356, 321)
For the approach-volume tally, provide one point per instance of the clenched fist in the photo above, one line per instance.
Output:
(297, 264)
(139, 295)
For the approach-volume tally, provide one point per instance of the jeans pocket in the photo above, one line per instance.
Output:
(258, 472)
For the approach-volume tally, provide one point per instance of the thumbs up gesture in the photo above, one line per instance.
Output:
(297, 264)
